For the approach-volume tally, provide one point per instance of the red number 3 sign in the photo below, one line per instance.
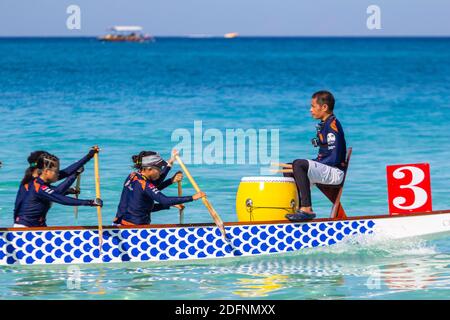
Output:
(409, 188)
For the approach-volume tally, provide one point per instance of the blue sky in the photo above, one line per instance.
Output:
(216, 17)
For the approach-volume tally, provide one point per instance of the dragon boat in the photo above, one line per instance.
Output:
(80, 245)
(261, 229)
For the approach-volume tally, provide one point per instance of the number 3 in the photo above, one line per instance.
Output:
(420, 194)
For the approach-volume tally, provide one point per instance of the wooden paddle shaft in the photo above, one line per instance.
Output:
(217, 220)
(98, 195)
(284, 165)
(180, 193)
(282, 170)
(77, 187)
(188, 174)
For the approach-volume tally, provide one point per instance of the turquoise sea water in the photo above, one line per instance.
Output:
(64, 95)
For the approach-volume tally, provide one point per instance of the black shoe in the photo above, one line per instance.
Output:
(300, 215)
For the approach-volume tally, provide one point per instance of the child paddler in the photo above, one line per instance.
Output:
(32, 172)
(40, 195)
(160, 183)
(142, 193)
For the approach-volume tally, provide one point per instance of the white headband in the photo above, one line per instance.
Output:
(152, 160)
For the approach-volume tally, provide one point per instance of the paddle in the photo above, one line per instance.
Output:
(283, 165)
(97, 195)
(214, 214)
(282, 170)
(180, 193)
(77, 187)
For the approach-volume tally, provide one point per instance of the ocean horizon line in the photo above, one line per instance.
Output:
(206, 37)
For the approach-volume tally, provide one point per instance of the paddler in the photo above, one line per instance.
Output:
(32, 172)
(328, 167)
(160, 183)
(142, 193)
(33, 209)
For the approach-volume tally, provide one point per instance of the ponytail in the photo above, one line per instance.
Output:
(136, 161)
(33, 161)
(28, 176)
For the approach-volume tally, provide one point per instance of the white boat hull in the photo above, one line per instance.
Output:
(79, 245)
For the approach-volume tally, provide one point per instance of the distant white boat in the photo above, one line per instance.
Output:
(231, 35)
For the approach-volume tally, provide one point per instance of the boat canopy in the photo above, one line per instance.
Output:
(126, 28)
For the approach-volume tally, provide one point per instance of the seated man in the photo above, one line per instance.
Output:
(328, 167)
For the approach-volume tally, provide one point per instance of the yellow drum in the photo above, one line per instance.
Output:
(266, 198)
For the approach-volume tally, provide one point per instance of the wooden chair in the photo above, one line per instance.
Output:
(334, 192)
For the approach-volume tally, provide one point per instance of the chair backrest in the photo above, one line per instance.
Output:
(337, 211)
(347, 163)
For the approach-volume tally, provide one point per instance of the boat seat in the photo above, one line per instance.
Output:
(334, 192)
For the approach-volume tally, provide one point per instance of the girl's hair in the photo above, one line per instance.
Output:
(137, 159)
(32, 160)
(47, 161)
(34, 156)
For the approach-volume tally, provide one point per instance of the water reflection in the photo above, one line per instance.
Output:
(321, 276)
(418, 274)
(259, 285)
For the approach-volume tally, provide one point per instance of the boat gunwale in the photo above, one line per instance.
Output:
(239, 223)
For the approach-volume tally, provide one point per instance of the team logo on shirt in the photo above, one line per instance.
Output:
(47, 189)
(153, 188)
(331, 138)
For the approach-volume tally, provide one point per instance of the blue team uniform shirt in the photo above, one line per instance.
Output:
(39, 198)
(332, 146)
(141, 198)
(123, 203)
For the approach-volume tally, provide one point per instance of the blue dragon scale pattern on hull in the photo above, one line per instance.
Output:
(177, 243)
